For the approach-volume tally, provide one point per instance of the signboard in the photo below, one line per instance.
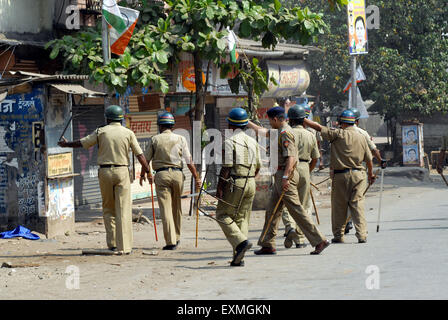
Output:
(357, 28)
(59, 164)
(412, 137)
(291, 76)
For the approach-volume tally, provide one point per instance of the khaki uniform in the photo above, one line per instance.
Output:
(369, 141)
(349, 150)
(114, 142)
(288, 147)
(307, 150)
(243, 157)
(166, 151)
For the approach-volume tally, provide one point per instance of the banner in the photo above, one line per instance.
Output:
(357, 27)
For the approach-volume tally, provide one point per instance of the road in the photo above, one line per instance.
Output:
(406, 259)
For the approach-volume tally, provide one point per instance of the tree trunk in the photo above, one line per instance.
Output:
(200, 90)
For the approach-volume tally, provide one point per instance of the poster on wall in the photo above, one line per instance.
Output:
(60, 199)
(357, 29)
(412, 137)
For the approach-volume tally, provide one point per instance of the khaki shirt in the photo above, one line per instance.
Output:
(287, 144)
(114, 142)
(167, 149)
(242, 154)
(306, 144)
(316, 133)
(348, 148)
(370, 143)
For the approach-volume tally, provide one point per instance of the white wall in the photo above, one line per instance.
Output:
(26, 16)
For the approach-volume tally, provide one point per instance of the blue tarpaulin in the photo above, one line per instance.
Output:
(19, 232)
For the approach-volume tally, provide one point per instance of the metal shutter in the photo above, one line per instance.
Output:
(87, 188)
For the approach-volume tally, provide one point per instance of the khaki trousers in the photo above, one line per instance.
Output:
(235, 224)
(347, 193)
(303, 188)
(296, 210)
(117, 207)
(169, 187)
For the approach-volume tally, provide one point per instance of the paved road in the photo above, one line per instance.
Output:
(407, 259)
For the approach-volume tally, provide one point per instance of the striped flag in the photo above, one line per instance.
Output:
(360, 76)
(231, 41)
(122, 22)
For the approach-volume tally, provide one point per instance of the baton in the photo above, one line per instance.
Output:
(314, 205)
(276, 206)
(153, 212)
(444, 179)
(381, 196)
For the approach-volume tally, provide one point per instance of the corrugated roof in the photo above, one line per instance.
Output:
(78, 89)
(281, 49)
(46, 77)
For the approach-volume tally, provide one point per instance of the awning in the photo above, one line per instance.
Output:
(78, 89)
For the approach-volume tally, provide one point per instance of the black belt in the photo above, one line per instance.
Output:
(112, 165)
(241, 177)
(168, 168)
(346, 170)
(303, 160)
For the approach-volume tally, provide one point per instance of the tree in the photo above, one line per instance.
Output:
(195, 26)
(407, 63)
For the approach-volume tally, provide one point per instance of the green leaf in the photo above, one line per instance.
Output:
(54, 53)
(162, 57)
(277, 5)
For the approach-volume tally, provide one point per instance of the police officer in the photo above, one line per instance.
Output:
(375, 152)
(114, 142)
(308, 154)
(318, 138)
(166, 151)
(285, 180)
(348, 150)
(241, 161)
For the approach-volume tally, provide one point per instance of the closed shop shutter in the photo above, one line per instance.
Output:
(183, 122)
(87, 189)
(144, 125)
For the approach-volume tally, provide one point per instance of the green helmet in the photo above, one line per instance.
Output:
(114, 112)
(296, 112)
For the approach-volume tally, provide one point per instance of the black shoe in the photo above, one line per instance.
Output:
(289, 236)
(362, 240)
(170, 247)
(348, 227)
(113, 249)
(301, 245)
(337, 240)
(240, 250)
(233, 264)
(265, 250)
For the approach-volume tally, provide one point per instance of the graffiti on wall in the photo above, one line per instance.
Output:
(20, 167)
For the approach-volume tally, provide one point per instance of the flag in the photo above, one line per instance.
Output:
(360, 76)
(360, 105)
(231, 41)
(122, 22)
